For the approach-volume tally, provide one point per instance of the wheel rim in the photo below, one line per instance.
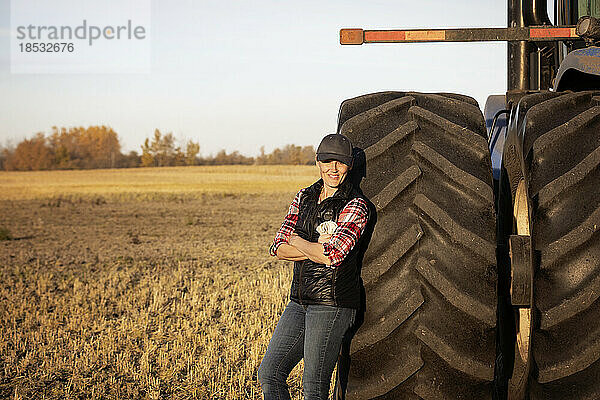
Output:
(521, 214)
(522, 365)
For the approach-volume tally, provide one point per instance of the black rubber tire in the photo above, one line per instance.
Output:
(557, 153)
(430, 270)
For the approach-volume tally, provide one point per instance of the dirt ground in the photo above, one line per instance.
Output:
(67, 232)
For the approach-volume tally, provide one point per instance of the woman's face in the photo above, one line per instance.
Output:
(333, 172)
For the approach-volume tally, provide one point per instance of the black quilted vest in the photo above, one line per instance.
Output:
(315, 283)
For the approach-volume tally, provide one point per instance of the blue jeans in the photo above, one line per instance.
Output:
(314, 332)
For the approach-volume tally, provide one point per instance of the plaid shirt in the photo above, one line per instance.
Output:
(350, 225)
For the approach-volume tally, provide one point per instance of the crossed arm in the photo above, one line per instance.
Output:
(287, 245)
(298, 249)
(329, 249)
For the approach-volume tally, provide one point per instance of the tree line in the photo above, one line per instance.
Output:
(99, 147)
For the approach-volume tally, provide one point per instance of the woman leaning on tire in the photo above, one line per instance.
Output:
(326, 288)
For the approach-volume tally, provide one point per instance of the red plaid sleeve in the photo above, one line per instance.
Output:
(351, 224)
(288, 225)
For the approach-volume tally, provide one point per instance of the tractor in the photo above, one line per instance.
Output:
(482, 275)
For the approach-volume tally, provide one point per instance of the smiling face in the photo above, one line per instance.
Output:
(333, 172)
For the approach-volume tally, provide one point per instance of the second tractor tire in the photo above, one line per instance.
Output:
(553, 152)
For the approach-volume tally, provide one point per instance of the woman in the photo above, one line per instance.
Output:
(321, 234)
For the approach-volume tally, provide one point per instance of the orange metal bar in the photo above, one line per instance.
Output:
(552, 32)
(532, 34)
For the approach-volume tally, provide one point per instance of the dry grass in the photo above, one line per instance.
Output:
(136, 298)
(154, 183)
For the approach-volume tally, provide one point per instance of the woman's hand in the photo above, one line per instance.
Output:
(324, 238)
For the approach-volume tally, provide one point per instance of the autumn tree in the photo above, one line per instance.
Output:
(30, 155)
(6, 153)
(191, 153)
(72, 148)
(164, 148)
(161, 151)
(65, 147)
(99, 146)
(78, 147)
(147, 158)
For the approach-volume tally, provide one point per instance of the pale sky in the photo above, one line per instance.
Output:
(238, 75)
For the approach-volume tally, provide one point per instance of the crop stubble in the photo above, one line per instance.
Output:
(140, 295)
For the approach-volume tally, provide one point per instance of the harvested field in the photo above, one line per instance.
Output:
(154, 183)
(146, 283)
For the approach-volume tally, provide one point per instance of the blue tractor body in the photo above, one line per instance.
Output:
(580, 70)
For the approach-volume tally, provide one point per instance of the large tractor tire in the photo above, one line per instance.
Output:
(549, 195)
(430, 269)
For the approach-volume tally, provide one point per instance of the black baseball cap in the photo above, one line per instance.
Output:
(335, 147)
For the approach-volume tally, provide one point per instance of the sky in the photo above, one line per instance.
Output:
(239, 75)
